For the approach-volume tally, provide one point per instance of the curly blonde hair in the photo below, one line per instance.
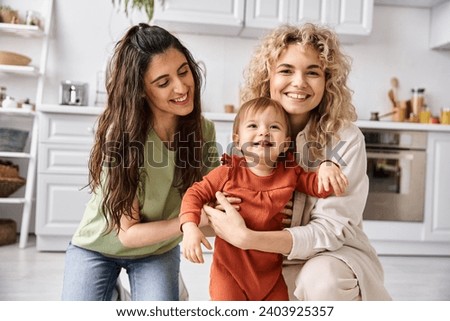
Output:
(336, 108)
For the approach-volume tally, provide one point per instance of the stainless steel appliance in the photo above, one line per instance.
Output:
(396, 169)
(73, 93)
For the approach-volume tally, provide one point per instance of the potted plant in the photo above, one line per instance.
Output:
(147, 5)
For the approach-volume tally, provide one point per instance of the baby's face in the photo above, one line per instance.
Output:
(262, 136)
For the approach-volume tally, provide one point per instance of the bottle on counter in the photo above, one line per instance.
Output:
(417, 100)
(2, 95)
(9, 102)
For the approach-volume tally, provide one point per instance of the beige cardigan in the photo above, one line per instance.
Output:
(333, 226)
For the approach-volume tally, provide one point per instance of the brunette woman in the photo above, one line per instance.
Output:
(151, 144)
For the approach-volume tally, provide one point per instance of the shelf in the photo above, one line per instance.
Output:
(21, 30)
(14, 155)
(26, 70)
(12, 200)
(42, 35)
(17, 112)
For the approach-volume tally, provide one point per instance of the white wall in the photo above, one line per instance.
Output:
(84, 33)
(398, 46)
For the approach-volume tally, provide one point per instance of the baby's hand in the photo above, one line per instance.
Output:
(330, 173)
(192, 240)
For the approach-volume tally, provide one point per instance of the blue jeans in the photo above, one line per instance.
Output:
(91, 276)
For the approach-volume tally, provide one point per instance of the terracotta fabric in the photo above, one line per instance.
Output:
(249, 274)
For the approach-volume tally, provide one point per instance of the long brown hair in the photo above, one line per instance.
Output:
(117, 157)
(336, 107)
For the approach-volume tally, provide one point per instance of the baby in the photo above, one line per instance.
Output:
(264, 178)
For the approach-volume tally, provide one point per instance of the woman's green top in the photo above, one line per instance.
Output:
(159, 200)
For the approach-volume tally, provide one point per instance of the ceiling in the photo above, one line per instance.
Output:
(410, 3)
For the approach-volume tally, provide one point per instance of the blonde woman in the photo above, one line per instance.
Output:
(328, 255)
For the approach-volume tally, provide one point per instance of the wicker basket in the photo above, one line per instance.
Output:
(8, 231)
(11, 58)
(10, 181)
(8, 15)
(12, 140)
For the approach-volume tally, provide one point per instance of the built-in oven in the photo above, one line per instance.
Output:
(396, 169)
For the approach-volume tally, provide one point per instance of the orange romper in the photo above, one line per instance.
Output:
(249, 274)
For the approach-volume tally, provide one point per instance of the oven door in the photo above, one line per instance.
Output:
(396, 185)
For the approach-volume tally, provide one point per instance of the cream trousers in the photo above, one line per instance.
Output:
(321, 278)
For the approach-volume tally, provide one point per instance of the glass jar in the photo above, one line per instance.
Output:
(32, 18)
(445, 116)
(418, 100)
(425, 116)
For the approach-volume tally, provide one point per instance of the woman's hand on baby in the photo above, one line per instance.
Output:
(227, 223)
(287, 214)
(330, 174)
(191, 244)
(234, 201)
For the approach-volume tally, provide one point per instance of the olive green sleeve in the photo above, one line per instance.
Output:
(211, 157)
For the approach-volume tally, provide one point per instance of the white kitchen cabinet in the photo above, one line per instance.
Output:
(65, 141)
(437, 204)
(60, 209)
(224, 137)
(16, 118)
(223, 124)
(224, 17)
(264, 15)
(440, 26)
(350, 18)
(252, 18)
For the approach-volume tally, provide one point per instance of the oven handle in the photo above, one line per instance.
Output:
(396, 155)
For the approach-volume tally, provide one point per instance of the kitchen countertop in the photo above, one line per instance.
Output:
(63, 109)
(360, 123)
(228, 117)
(402, 125)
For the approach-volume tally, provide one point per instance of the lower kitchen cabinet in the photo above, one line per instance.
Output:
(59, 210)
(437, 205)
(65, 140)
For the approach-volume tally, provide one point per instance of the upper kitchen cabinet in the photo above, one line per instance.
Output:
(350, 18)
(261, 16)
(252, 18)
(224, 17)
(440, 26)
